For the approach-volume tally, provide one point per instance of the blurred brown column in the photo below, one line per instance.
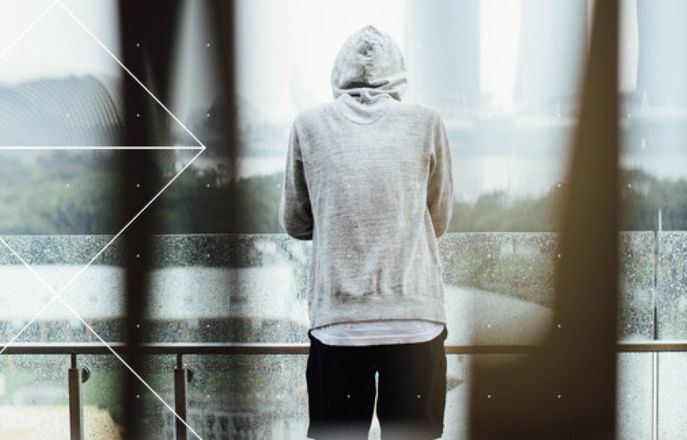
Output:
(148, 30)
(223, 31)
(222, 14)
(566, 389)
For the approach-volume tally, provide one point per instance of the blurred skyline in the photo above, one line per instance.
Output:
(507, 94)
(286, 49)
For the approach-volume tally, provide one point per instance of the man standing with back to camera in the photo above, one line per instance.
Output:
(368, 179)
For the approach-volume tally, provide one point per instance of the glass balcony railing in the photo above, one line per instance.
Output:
(232, 309)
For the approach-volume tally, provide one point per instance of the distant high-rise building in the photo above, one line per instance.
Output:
(662, 72)
(553, 35)
(442, 52)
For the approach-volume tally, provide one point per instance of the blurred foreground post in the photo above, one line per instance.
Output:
(147, 29)
(566, 389)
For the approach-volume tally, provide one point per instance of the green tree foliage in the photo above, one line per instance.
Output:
(61, 194)
(497, 211)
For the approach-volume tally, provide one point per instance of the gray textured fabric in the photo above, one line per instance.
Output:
(368, 179)
(369, 64)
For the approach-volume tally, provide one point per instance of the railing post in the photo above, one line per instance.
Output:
(77, 376)
(655, 356)
(182, 376)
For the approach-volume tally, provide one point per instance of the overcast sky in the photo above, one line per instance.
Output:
(285, 48)
(56, 46)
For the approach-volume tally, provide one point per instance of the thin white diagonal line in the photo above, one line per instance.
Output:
(126, 69)
(58, 294)
(21, 36)
(91, 148)
(78, 21)
(114, 352)
(41, 279)
(83, 269)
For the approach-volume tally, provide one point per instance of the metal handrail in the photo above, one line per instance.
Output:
(261, 348)
(183, 374)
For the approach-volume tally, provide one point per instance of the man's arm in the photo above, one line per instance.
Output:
(440, 188)
(295, 212)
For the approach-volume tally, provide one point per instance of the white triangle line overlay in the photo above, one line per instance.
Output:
(58, 294)
(126, 69)
(83, 269)
(76, 19)
(90, 148)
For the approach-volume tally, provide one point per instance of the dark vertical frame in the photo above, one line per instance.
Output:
(149, 33)
(566, 389)
(223, 32)
(147, 30)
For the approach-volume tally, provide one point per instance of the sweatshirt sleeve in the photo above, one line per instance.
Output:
(440, 188)
(295, 212)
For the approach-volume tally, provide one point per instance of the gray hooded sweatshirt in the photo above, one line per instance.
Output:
(368, 179)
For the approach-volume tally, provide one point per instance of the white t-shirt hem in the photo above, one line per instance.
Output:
(382, 332)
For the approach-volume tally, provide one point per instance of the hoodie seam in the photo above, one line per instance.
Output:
(379, 118)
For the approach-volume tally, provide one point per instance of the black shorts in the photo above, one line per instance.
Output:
(410, 400)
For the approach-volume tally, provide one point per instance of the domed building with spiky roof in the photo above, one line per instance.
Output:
(71, 111)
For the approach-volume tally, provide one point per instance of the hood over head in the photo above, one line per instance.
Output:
(369, 64)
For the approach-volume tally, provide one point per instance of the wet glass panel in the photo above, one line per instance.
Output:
(103, 392)
(672, 420)
(637, 268)
(634, 394)
(34, 397)
(266, 397)
(103, 415)
(229, 288)
(672, 285)
(653, 159)
(498, 286)
(248, 396)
